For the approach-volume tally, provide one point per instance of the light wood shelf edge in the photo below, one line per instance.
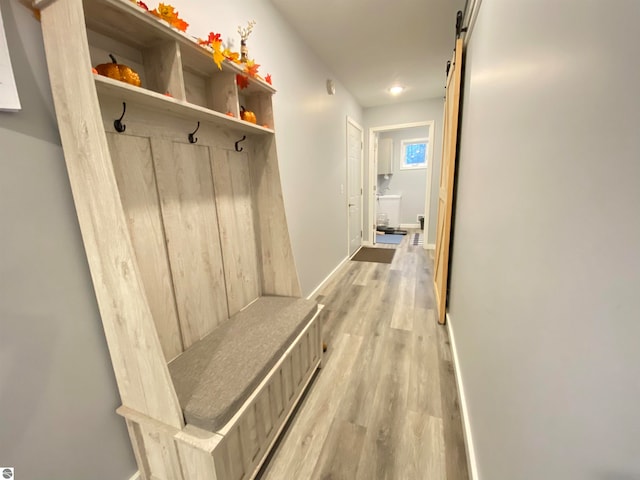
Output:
(163, 103)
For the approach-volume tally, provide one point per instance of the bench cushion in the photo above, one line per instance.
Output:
(217, 374)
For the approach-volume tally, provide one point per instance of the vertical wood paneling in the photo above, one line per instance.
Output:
(296, 373)
(287, 380)
(196, 464)
(279, 276)
(222, 460)
(162, 455)
(237, 234)
(234, 451)
(134, 171)
(304, 352)
(276, 391)
(191, 225)
(249, 435)
(315, 341)
(265, 414)
(139, 451)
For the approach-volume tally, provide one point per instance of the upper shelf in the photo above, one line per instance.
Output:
(124, 20)
(162, 103)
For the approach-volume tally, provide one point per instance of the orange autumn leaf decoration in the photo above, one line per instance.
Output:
(215, 42)
(231, 56)
(180, 24)
(218, 57)
(169, 14)
(251, 68)
(268, 79)
(242, 81)
(212, 38)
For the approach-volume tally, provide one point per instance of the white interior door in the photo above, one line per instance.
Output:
(354, 184)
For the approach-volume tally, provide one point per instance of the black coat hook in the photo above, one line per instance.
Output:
(193, 139)
(239, 149)
(117, 124)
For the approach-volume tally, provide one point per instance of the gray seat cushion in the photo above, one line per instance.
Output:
(216, 375)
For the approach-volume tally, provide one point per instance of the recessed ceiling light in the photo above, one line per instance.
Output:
(396, 90)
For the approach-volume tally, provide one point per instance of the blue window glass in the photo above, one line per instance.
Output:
(414, 153)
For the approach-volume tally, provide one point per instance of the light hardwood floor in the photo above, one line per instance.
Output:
(385, 405)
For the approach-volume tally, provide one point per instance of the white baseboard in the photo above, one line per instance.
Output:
(409, 225)
(466, 424)
(430, 246)
(135, 476)
(324, 282)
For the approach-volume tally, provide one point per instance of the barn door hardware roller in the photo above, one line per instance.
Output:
(459, 27)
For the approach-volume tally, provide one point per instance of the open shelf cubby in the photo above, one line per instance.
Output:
(171, 62)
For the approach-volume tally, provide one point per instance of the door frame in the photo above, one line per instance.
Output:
(373, 175)
(359, 127)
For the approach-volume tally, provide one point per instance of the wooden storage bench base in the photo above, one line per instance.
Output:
(235, 451)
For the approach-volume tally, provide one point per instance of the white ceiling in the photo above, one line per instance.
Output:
(372, 44)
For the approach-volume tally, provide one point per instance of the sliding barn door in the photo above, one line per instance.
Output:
(447, 171)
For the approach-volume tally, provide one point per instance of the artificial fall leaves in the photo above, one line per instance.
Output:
(215, 42)
(165, 12)
(231, 56)
(169, 14)
(251, 68)
(242, 81)
(250, 71)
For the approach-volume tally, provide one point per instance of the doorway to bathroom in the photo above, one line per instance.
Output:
(400, 176)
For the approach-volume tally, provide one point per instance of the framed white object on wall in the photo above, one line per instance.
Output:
(9, 100)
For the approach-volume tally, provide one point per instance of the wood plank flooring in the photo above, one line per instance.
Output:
(385, 404)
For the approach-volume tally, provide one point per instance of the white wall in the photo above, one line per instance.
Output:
(411, 184)
(546, 260)
(57, 390)
(408, 113)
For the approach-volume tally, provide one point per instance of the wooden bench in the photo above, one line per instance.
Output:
(237, 387)
(215, 376)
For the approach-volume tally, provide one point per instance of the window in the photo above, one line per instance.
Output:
(414, 153)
